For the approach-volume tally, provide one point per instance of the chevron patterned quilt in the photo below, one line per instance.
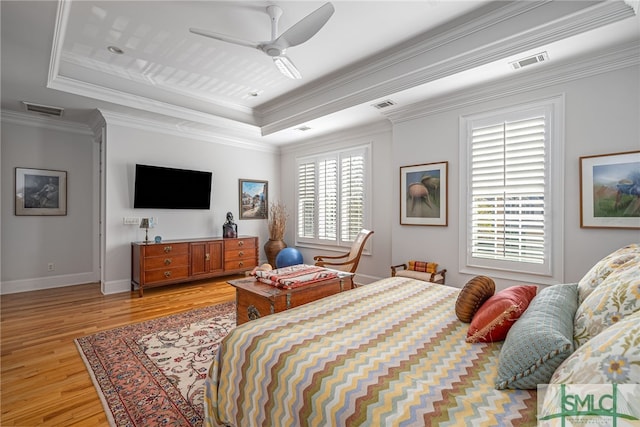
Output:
(391, 353)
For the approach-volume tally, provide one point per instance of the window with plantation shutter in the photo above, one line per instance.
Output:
(513, 202)
(332, 197)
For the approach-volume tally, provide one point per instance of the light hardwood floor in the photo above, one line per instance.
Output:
(43, 378)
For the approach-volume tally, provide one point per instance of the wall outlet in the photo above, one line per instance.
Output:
(51, 267)
(131, 220)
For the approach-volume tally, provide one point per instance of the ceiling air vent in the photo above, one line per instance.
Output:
(535, 59)
(384, 104)
(45, 110)
(303, 128)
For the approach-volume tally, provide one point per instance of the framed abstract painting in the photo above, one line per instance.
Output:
(423, 194)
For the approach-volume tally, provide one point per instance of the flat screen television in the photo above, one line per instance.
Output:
(168, 188)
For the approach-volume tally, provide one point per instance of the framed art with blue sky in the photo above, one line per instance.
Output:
(254, 203)
(610, 190)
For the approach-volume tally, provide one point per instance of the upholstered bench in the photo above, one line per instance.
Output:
(425, 271)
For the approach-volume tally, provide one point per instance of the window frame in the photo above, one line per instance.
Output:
(551, 270)
(338, 244)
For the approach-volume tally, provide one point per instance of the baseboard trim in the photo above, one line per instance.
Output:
(116, 287)
(40, 283)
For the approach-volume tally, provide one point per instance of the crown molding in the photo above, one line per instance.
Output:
(77, 87)
(184, 129)
(222, 109)
(625, 56)
(320, 142)
(34, 120)
(57, 81)
(435, 56)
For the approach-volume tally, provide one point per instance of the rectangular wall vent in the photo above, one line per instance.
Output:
(43, 109)
(384, 104)
(303, 128)
(535, 59)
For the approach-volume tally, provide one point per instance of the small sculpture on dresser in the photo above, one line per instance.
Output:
(229, 228)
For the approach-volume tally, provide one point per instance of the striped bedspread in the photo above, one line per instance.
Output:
(391, 353)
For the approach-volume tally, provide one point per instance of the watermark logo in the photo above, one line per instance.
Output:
(568, 405)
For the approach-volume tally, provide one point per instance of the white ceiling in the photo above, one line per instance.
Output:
(56, 54)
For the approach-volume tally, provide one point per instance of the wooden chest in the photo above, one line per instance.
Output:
(255, 299)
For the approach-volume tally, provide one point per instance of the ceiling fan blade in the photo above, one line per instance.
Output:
(224, 38)
(286, 67)
(306, 28)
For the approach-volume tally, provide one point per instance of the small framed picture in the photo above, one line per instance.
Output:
(40, 192)
(254, 199)
(610, 190)
(423, 194)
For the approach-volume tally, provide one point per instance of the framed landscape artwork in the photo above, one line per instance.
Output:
(423, 194)
(40, 192)
(610, 190)
(253, 199)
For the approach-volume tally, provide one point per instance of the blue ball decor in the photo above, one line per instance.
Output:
(287, 257)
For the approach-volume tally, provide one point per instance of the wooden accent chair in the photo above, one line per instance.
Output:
(347, 262)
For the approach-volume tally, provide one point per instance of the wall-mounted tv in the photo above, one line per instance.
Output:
(168, 188)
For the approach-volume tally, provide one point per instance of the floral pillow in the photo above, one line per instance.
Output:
(616, 297)
(612, 356)
(622, 259)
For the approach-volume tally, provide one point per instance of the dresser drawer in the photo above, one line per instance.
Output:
(166, 274)
(160, 249)
(235, 244)
(168, 261)
(240, 254)
(240, 264)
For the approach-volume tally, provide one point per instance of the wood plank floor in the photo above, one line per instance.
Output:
(43, 379)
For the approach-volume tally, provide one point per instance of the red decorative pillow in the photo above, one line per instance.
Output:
(496, 316)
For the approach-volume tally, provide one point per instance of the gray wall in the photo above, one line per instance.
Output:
(29, 243)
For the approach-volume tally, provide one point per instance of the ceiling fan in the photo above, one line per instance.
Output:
(299, 33)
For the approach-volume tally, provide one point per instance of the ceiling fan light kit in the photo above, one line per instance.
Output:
(297, 34)
(286, 67)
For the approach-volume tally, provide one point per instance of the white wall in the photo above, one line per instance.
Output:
(602, 116)
(29, 243)
(128, 143)
(376, 265)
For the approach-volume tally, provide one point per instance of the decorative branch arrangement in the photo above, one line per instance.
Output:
(277, 220)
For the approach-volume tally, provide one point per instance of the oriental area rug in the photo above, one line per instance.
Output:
(152, 373)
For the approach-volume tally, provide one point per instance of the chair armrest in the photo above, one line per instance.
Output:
(323, 257)
(394, 267)
(442, 273)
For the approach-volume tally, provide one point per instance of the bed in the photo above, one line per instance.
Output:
(391, 353)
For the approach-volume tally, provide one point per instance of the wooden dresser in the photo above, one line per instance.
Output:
(176, 261)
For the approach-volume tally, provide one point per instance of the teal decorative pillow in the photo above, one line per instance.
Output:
(621, 259)
(612, 356)
(540, 340)
(616, 297)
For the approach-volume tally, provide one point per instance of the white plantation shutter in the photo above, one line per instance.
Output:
(332, 197)
(352, 200)
(328, 199)
(508, 191)
(511, 162)
(306, 199)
